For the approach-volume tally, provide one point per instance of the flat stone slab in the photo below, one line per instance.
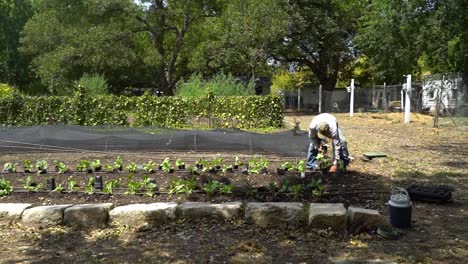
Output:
(10, 212)
(141, 215)
(270, 214)
(87, 215)
(198, 210)
(44, 215)
(361, 219)
(328, 215)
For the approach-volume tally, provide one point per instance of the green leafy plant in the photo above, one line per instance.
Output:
(211, 187)
(118, 163)
(42, 166)
(166, 165)
(297, 190)
(61, 167)
(132, 187)
(29, 185)
(149, 167)
(10, 167)
(258, 165)
(323, 162)
(58, 189)
(286, 165)
(150, 189)
(84, 166)
(110, 185)
(89, 188)
(27, 166)
(318, 188)
(226, 188)
(96, 165)
(273, 188)
(5, 187)
(182, 186)
(284, 187)
(132, 167)
(300, 166)
(227, 168)
(179, 163)
(109, 168)
(217, 162)
(72, 184)
(192, 170)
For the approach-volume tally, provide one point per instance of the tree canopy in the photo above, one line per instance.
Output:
(51, 45)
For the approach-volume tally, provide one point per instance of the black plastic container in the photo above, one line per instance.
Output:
(50, 184)
(98, 183)
(439, 194)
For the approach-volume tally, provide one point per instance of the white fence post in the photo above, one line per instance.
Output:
(320, 99)
(408, 99)
(351, 103)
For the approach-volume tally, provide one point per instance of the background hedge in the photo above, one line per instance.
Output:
(146, 110)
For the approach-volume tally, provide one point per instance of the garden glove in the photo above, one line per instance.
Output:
(333, 168)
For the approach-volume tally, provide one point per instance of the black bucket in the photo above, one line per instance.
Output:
(400, 208)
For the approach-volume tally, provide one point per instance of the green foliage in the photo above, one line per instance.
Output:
(10, 167)
(211, 187)
(72, 184)
(220, 85)
(6, 90)
(179, 162)
(226, 188)
(27, 166)
(166, 165)
(42, 165)
(84, 165)
(62, 168)
(296, 190)
(318, 189)
(58, 189)
(93, 85)
(96, 164)
(118, 163)
(132, 167)
(323, 161)
(5, 188)
(182, 186)
(89, 188)
(147, 110)
(110, 185)
(29, 185)
(273, 188)
(258, 164)
(149, 167)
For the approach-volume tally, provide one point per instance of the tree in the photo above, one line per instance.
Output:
(319, 36)
(239, 40)
(68, 39)
(13, 66)
(410, 36)
(168, 23)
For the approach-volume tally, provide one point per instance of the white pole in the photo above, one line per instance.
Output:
(401, 97)
(351, 104)
(408, 99)
(299, 99)
(320, 99)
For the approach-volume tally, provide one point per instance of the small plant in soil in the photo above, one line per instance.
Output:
(58, 189)
(296, 190)
(192, 170)
(72, 184)
(216, 163)
(251, 190)
(118, 163)
(109, 168)
(182, 186)
(150, 189)
(273, 188)
(227, 168)
(42, 166)
(149, 167)
(323, 162)
(110, 185)
(60, 167)
(29, 185)
(9, 167)
(96, 165)
(284, 187)
(211, 187)
(5, 188)
(226, 188)
(27, 166)
(180, 164)
(132, 187)
(286, 166)
(318, 189)
(166, 165)
(201, 163)
(89, 188)
(84, 166)
(132, 167)
(237, 163)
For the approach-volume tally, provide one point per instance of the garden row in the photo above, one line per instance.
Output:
(146, 110)
(255, 165)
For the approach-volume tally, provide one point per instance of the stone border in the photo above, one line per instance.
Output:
(314, 215)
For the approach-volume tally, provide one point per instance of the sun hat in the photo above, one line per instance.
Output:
(323, 130)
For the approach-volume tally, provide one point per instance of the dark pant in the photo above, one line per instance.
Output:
(315, 144)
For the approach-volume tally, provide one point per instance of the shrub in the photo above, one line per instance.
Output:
(93, 84)
(220, 85)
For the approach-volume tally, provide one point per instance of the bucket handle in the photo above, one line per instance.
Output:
(397, 190)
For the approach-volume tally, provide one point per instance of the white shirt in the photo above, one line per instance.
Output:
(331, 121)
